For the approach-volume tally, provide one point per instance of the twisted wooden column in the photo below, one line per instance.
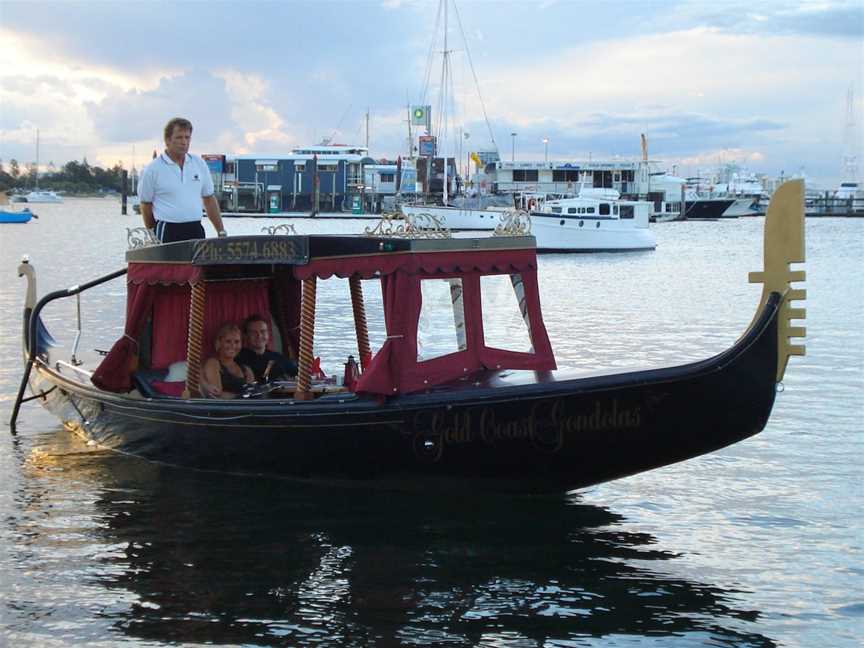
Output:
(195, 340)
(360, 320)
(307, 335)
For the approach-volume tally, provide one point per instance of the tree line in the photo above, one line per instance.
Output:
(73, 177)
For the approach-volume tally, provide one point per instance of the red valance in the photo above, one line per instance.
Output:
(163, 273)
(428, 263)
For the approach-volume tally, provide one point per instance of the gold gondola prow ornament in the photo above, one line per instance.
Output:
(409, 226)
(783, 246)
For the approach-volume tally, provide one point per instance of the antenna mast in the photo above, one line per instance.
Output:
(850, 157)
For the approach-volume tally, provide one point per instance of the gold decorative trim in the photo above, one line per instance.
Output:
(783, 246)
(140, 237)
(277, 230)
(514, 222)
(409, 226)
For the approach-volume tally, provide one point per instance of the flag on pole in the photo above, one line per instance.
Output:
(420, 115)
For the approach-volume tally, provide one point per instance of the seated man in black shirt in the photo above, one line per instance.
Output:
(256, 334)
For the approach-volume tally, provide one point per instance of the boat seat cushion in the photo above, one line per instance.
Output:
(149, 382)
(169, 388)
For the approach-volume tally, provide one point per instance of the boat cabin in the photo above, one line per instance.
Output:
(600, 207)
(180, 294)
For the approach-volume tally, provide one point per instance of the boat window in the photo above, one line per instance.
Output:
(503, 301)
(441, 329)
(604, 209)
(525, 175)
(571, 210)
(614, 209)
(590, 210)
(556, 210)
(334, 337)
(565, 175)
(626, 211)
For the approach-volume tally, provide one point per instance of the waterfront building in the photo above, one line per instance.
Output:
(633, 180)
(324, 177)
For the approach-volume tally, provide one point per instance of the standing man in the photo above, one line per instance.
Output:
(173, 186)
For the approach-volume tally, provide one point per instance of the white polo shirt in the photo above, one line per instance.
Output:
(176, 193)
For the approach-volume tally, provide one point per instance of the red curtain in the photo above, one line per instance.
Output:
(401, 295)
(114, 373)
(285, 301)
(394, 369)
(231, 301)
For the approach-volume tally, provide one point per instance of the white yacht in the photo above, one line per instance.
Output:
(849, 189)
(459, 218)
(595, 221)
(41, 196)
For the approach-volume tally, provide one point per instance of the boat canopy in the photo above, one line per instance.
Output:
(261, 274)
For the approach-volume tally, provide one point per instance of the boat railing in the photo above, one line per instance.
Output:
(32, 323)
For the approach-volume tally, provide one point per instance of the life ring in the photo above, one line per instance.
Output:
(531, 204)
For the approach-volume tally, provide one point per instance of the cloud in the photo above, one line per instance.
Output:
(260, 125)
(766, 79)
(819, 18)
(133, 115)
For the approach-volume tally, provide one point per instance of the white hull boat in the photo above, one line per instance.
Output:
(586, 224)
(741, 207)
(458, 218)
(39, 196)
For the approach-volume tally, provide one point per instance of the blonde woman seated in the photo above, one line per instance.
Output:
(223, 376)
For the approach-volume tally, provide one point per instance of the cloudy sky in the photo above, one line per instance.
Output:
(757, 82)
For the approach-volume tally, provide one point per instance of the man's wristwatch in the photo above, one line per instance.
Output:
(222, 233)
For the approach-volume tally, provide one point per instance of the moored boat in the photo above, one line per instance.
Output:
(458, 218)
(472, 413)
(41, 196)
(594, 221)
(708, 208)
(23, 216)
(8, 215)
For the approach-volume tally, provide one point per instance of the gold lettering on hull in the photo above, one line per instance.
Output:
(546, 427)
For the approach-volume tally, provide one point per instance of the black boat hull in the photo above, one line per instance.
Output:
(542, 434)
(708, 209)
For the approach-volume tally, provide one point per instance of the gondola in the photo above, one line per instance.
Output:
(478, 417)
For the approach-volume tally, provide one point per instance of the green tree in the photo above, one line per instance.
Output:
(32, 173)
(14, 170)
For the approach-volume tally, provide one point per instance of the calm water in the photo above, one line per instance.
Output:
(756, 545)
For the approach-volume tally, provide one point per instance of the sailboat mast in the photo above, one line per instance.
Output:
(410, 137)
(443, 129)
(37, 161)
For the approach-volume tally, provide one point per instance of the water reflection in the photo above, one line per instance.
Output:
(163, 554)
